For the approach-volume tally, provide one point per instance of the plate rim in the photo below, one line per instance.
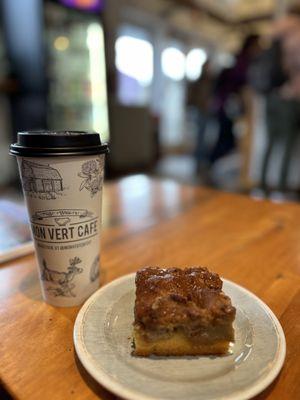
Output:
(118, 389)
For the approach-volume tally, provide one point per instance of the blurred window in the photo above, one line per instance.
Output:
(194, 63)
(134, 62)
(173, 63)
(127, 48)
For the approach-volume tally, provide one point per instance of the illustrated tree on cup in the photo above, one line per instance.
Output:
(91, 172)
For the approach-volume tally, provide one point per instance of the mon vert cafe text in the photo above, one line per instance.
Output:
(65, 234)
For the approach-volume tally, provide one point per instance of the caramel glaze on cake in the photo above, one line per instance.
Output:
(181, 312)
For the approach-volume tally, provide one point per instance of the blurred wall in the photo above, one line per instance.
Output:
(23, 36)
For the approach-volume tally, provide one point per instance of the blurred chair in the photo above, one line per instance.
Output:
(133, 139)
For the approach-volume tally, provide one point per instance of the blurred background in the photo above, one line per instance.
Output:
(184, 89)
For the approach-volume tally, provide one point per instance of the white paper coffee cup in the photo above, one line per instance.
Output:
(63, 194)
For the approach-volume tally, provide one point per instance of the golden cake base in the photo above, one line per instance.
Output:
(176, 345)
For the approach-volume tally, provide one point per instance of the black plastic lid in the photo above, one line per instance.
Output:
(58, 143)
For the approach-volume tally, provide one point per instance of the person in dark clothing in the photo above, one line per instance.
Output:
(228, 90)
(199, 100)
(283, 128)
(276, 75)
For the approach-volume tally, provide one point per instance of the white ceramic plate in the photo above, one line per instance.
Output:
(102, 336)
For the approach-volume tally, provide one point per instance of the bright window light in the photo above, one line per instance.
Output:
(173, 63)
(61, 43)
(134, 58)
(194, 63)
(225, 60)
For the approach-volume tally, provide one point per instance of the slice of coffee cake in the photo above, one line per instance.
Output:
(181, 312)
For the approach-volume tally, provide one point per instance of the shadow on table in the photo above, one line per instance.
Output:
(92, 383)
(4, 395)
(30, 286)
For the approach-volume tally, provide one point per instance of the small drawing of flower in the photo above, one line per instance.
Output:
(90, 167)
(91, 173)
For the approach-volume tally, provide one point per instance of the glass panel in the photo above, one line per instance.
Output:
(76, 69)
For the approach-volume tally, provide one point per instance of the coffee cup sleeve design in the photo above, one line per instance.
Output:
(62, 280)
(62, 177)
(92, 176)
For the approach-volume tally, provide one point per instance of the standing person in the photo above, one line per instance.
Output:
(277, 75)
(283, 129)
(228, 91)
(199, 100)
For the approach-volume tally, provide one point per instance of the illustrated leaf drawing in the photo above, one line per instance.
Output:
(91, 173)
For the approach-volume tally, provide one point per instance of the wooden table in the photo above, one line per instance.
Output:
(150, 222)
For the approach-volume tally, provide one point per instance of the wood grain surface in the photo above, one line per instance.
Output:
(150, 222)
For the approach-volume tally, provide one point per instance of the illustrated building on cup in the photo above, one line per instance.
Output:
(40, 178)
